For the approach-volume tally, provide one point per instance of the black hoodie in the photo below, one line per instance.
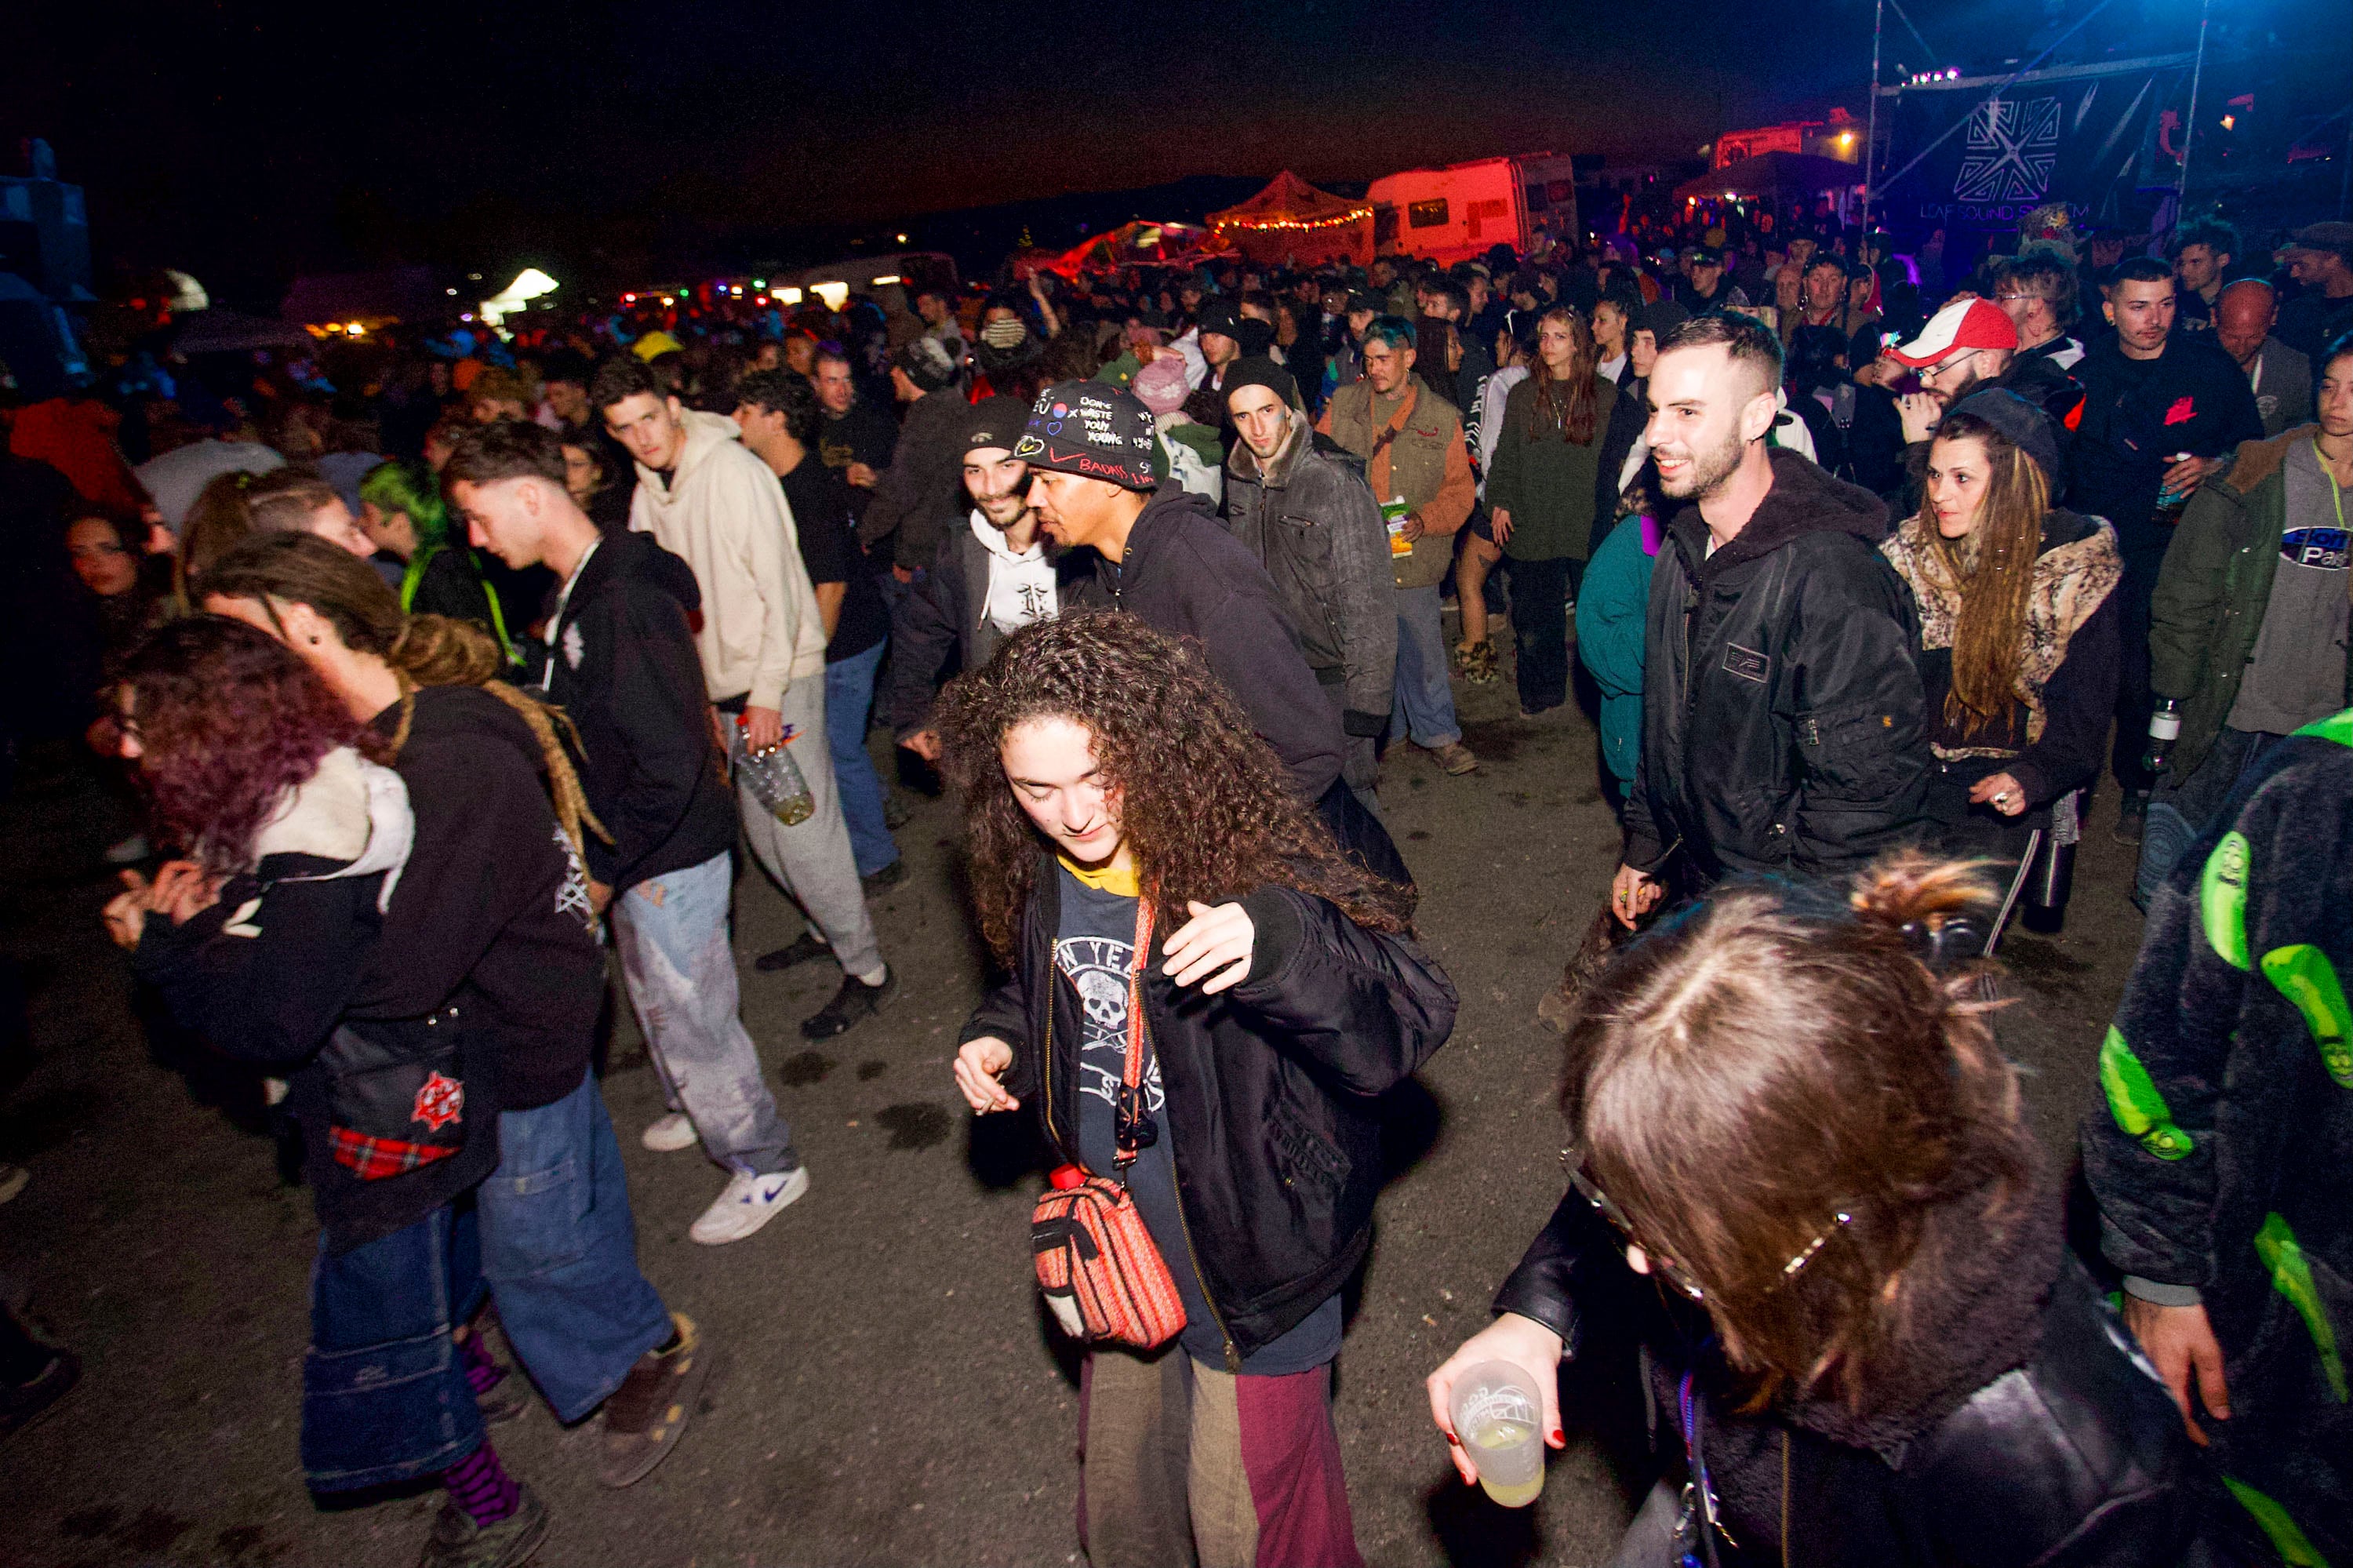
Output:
(1789, 656)
(621, 661)
(1185, 575)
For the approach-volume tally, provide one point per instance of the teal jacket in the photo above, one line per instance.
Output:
(2214, 589)
(1611, 606)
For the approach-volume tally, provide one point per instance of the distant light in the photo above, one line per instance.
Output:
(1727, 196)
(737, 290)
(894, 278)
(668, 301)
(467, 316)
(473, 277)
(902, 239)
(334, 326)
(761, 300)
(1846, 138)
(356, 330)
(788, 296)
(629, 299)
(835, 295)
(759, 282)
(449, 290)
(2230, 123)
(1953, 74)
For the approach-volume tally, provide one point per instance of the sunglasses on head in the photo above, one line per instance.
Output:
(1572, 1160)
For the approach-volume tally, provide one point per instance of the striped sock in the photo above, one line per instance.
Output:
(480, 1485)
(482, 1373)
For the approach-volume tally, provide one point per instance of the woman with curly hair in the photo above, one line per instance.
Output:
(1206, 1001)
(1801, 1177)
(281, 939)
(1546, 491)
(497, 880)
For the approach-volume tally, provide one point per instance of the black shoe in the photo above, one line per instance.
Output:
(805, 948)
(22, 1404)
(890, 875)
(456, 1541)
(2132, 814)
(855, 1001)
(896, 814)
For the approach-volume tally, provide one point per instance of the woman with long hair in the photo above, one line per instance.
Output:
(1801, 1177)
(402, 510)
(279, 937)
(2019, 636)
(497, 876)
(1206, 998)
(1544, 492)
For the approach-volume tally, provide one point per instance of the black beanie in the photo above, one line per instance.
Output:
(996, 422)
(1257, 370)
(2028, 429)
(1094, 429)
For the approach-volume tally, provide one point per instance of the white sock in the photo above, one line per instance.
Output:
(881, 973)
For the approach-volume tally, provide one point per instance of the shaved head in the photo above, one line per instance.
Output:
(2243, 314)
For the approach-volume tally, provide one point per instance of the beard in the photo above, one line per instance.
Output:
(1709, 468)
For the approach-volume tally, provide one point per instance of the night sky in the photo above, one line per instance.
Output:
(246, 141)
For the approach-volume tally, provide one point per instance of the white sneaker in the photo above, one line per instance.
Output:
(671, 1134)
(747, 1203)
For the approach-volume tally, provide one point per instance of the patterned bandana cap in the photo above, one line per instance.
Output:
(1092, 428)
(1004, 332)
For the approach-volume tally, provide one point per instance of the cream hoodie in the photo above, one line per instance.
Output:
(725, 515)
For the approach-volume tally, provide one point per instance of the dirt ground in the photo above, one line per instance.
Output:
(888, 1391)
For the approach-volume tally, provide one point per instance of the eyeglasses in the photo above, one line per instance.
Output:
(1572, 1160)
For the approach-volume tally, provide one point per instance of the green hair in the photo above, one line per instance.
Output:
(410, 488)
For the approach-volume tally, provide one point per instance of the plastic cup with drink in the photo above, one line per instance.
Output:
(1499, 1420)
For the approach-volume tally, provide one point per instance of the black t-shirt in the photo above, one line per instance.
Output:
(828, 540)
(1094, 950)
(866, 434)
(2138, 413)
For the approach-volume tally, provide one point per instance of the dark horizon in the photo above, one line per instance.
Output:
(253, 140)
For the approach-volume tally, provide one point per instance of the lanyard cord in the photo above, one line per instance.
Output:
(2335, 491)
(1690, 1410)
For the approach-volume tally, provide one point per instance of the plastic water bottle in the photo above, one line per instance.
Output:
(2164, 729)
(773, 778)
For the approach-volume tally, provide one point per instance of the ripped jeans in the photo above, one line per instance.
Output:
(671, 931)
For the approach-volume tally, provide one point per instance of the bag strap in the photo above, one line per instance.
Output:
(1130, 1080)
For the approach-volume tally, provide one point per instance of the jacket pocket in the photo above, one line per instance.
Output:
(1860, 752)
(1304, 1158)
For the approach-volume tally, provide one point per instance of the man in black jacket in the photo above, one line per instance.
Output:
(1781, 703)
(915, 500)
(622, 664)
(1166, 560)
(991, 577)
(2163, 411)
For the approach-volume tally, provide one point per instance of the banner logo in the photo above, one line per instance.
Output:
(2011, 149)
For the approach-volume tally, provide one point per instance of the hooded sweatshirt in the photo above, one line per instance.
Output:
(1021, 582)
(722, 511)
(1782, 707)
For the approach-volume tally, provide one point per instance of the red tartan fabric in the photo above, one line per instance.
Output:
(376, 1158)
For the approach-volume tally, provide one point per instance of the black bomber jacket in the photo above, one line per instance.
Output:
(1271, 1091)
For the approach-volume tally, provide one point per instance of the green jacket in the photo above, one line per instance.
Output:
(2214, 589)
(1546, 481)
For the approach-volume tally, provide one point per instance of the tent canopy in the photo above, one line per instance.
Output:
(1774, 175)
(1139, 243)
(1292, 217)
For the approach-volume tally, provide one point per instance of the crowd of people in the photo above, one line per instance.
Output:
(431, 664)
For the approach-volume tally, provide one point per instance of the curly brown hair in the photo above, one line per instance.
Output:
(1206, 806)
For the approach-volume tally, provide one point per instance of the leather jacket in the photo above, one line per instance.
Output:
(2075, 1458)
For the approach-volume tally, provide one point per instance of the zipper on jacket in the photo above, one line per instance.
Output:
(1233, 1355)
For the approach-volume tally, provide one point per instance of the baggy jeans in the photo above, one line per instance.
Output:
(385, 1397)
(671, 931)
(1423, 710)
(560, 1251)
(810, 862)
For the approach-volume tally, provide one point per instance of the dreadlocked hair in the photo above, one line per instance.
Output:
(1992, 568)
(273, 570)
(1204, 806)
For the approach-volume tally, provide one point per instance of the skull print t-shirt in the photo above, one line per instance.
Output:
(1095, 954)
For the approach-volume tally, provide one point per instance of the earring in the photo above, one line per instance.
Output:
(314, 640)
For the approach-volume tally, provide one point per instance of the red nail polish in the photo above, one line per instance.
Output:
(1450, 1437)
(1557, 1436)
